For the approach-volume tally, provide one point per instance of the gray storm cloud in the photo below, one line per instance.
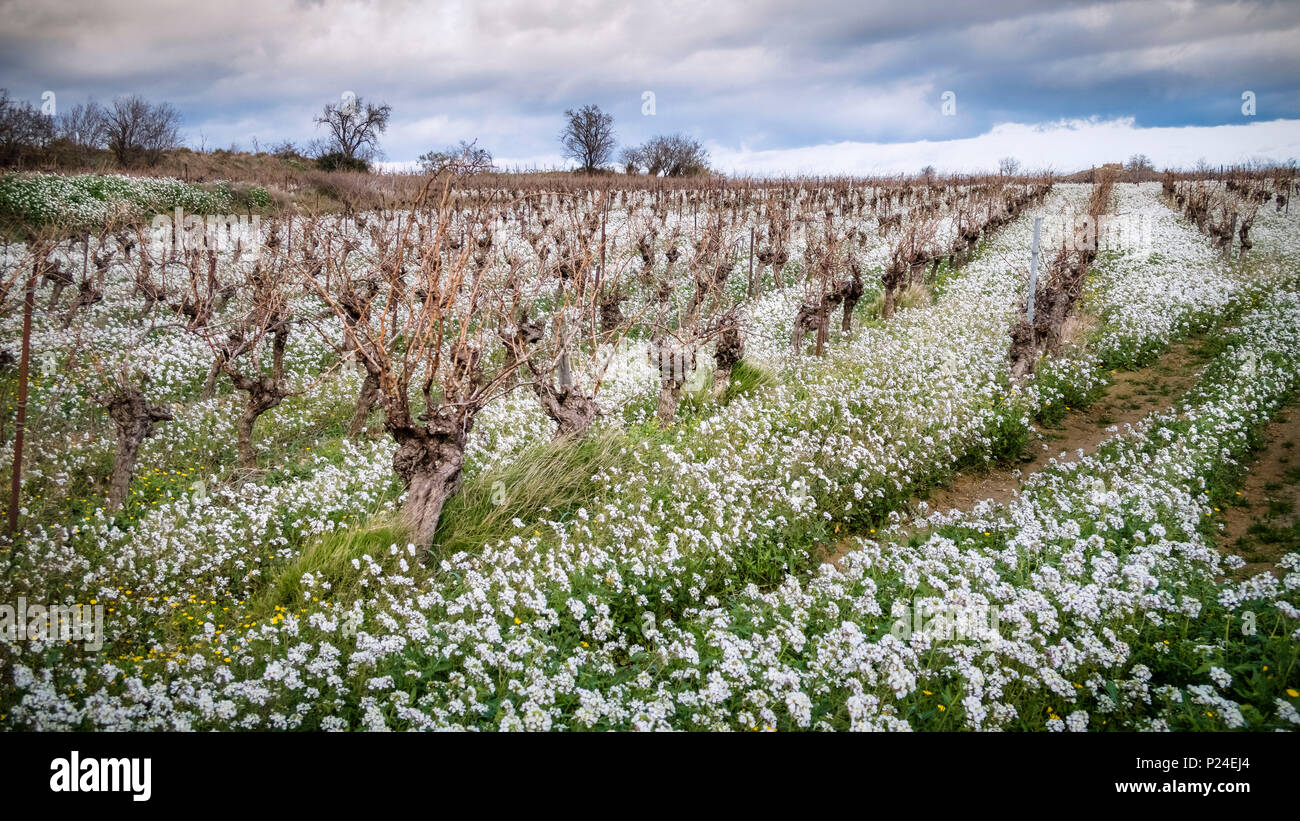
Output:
(751, 79)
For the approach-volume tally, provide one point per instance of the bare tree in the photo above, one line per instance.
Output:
(588, 137)
(82, 125)
(22, 128)
(90, 290)
(830, 284)
(137, 131)
(675, 155)
(631, 159)
(353, 127)
(909, 254)
(1008, 166)
(572, 407)
(775, 253)
(1139, 165)
(465, 158)
(820, 299)
(728, 350)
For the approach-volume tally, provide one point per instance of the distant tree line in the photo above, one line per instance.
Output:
(134, 132)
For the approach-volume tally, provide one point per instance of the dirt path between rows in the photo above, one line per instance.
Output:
(1130, 397)
(1263, 525)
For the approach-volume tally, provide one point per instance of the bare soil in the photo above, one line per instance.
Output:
(1264, 524)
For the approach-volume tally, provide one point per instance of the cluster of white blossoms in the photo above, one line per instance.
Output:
(1171, 282)
(690, 592)
(90, 199)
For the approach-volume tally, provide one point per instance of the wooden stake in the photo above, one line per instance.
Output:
(15, 485)
(1033, 268)
(752, 289)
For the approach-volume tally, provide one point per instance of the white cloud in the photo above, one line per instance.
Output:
(1067, 145)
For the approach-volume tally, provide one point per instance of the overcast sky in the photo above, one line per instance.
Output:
(769, 87)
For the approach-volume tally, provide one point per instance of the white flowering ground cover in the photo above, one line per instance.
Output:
(89, 199)
(1112, 611)
(683, 587)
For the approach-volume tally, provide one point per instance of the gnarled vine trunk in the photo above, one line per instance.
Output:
(210, 383)
(730, 349)
(365, 403)
(675, 363)
(670, 395)
(429, 460)
(133, 421)
(264, 393)
(1023, 350)
(572, 410)
(853, 291)
(805, 320)
(887, 308)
